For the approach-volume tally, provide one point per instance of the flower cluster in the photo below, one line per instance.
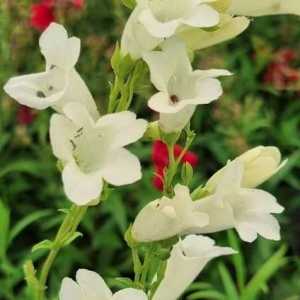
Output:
(92, 154)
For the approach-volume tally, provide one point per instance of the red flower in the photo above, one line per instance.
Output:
(279, 73)
(25, 115)
(42, 15)
(160, 158)
(78, 3)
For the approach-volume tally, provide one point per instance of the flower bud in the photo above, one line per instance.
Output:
(259, 164)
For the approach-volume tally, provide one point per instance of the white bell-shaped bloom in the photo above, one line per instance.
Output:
(247, 210)
(136, 40)
(163, 18)
(266, 7)
(91, 286)
(94, 151)
(165, 218)
(188, 258)
(60, 83)
(180, 88)
(260, 163)
(153, 21)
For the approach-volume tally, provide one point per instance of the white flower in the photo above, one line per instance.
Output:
(165, 218)
(180, 88)
(136, 40)
(163, 18)
(91, 286)
(60, 83)
(260, 163)
(233, 206)
(257, 8)
(187, 260)
(152, 21)
(92, 151)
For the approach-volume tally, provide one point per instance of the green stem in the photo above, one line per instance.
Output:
(66, 230)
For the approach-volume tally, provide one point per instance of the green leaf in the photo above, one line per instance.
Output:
(210, 294)
(27, 221)
(72, 238)
(33, 285)
(44, 245)
(129, 3)
(228, 283)
(4, 228)
(31, 167)
(260, 279)
(238, 259)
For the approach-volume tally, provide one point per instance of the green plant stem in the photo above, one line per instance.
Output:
(66, 230)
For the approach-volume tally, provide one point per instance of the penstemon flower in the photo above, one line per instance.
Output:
(247, 210)
(180, 88)
(94, 151)
(60, 83)
(188, 258)
(267, 7)
(153, 20)
(259, 163)
(165, 218)
(90, 286)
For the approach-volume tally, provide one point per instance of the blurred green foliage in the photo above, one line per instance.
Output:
(249, 114)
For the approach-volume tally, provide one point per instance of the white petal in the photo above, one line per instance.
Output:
(208, 90)
(81, 188)
(265, 225)
(121, 168)
(130, 294)
(197, 39)
(187, 260)
(58, 49)
(156, 28)
(78, 114)
(160, 102)
(161, 68)
(70, 290)
(259, 201)
(211, 73)
(93, 285)
(177, 121)
(61, 131)
(34, 90)
(122, 129)
(77, 91)
(136, 40)
(202, 16)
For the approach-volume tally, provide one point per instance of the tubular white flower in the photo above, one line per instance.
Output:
(188, 258)
(233, 206)
(165, 218)
(163, 18)
(90, 286)
(180, 88)
(153, 21)
(261, 8)
(260, 163)
(60, 83)
(229, 28)
(94, 151)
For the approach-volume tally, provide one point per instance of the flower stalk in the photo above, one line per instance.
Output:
(65, 233)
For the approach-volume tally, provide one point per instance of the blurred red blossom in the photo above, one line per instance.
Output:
(25, 115)
(43, 13)
(160, 159)
(280, 74)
